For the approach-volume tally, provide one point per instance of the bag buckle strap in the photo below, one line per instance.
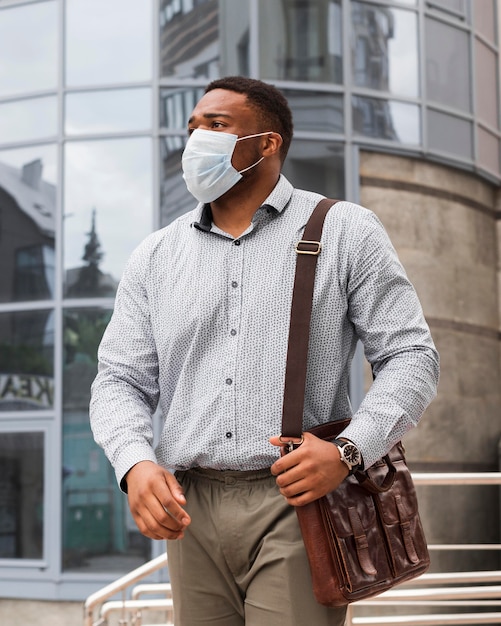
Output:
(308, 247)
(289, 445)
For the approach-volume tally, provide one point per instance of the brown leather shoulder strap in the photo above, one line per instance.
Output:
(308, 251)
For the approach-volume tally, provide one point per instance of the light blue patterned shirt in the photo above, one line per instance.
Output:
(200, 326)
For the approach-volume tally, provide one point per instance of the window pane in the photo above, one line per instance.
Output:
(108, 211)
(21, 495)
(30, 31)
(387, 119)
(488, 150)
(176, 106)
(301, 40)
(450, 134)
(34, 118)
(108, 111)
(175, 199)
(385, 49)
(485, 19)
(317, 166)
(108, 42)
(98, 531)
(26, 360)
(486, 84)
(204, 38)
(457, 8)
(316, 111)
(27, 223)
(448, 72)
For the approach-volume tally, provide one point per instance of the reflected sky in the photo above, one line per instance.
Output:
(403, 55)
(115, 178)
(34, 118)
(28, 48)
(108, 111)
(108, 42)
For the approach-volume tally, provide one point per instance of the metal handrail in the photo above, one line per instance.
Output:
(411, 596)
(122, 583)
(457, 478)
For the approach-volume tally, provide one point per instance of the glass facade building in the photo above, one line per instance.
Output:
(94, 101)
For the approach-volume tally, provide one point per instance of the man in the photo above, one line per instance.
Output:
(200, 326)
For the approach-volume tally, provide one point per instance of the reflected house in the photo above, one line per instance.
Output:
(27, 218)
(189, 33)
(373, 27)
(27, 205)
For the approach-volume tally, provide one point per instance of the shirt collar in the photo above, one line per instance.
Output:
(278, 200)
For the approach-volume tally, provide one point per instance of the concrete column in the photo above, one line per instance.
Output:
(444, 224)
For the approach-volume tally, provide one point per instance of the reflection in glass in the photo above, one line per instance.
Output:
(486, 81)
(448, 71)
(176, 106)
(316, 111)
(190, 43)
(21, 495)
(98, 532)
(27, 223)
(175, 199)
(317, 166)
(33, 118)
(28, 48)
(450, 134)
(485, 19)
(452, 7)
(386, 119)
(301, 40)
(108, 111)
(107, 211)
(108, 42)
(488, 150)
(384, 49)
(26, 360)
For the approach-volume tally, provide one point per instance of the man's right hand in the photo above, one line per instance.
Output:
(156, 501)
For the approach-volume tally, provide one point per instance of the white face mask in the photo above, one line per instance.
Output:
(206, 162)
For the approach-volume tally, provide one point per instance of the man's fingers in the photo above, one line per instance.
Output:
(155, 500)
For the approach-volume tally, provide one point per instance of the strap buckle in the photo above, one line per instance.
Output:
(289, 445)
(312, 247)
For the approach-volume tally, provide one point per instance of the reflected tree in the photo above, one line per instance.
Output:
(90, 280)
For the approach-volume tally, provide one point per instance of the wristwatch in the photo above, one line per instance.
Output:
(350, 454)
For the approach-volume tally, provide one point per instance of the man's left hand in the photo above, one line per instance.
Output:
(308, 472)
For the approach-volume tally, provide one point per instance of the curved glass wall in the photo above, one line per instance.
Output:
(94, 100)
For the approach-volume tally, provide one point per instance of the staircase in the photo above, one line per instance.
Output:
(148, 605)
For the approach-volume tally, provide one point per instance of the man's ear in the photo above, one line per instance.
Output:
(273, 144)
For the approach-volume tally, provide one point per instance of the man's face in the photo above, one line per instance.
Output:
(226, 111)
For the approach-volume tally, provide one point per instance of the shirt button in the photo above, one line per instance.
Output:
(237, 242)
(228, 381)
(229, 435)
(234, 283)
(233, 332)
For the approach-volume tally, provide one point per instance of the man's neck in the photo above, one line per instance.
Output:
(234, 211)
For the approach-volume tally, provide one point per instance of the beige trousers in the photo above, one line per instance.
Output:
(242, 560)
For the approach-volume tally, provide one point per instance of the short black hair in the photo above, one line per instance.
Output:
(270, 103)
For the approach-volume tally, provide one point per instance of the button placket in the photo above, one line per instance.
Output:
(234, 312)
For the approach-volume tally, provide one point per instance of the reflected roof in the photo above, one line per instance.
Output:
(34, 196)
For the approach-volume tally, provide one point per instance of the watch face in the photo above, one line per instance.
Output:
(351, 454)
